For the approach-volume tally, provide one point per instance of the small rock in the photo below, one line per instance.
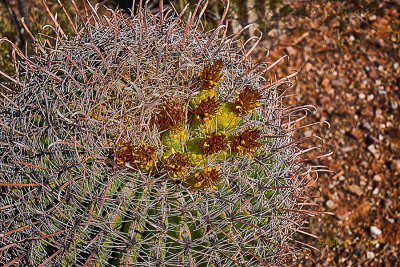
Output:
(352, 38)
(337, 82)
(291, 51)
(373, 150)
(377, 178)
(378, 113)
(341, 213)
(370, 97)
(376, 191)
(382, 92)
(373, 74)
(367, 112)
(356, 189)
(324, 100)
(309, 66)
(395, 65)
(329, 204)
(308, 133)
(396, 164)
(394, 105)
(342, 178)
(391, 220)
(375, 230)
(364, 164)
(346, 149)
(325, 82)
(366, 126)
(273, 33)
(370, 255)
(367, 68)
(361, 96)
(356, 133)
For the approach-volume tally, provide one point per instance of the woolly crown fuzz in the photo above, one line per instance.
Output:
(144, 141)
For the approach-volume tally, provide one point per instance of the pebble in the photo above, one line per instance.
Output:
(395, 65)
(373, 74)
(364, 164)
(370, 97)
(308, 133)
(366, 126)
(352, 38)
(362, 96)
(330, 204)
(378, 112)
(373, 150)
(394, 104)
(346, 149)
(356, 189)
(367, 112)
(342, 178)
(376, 191)
(291, 51)
(341, 213)
(370, 255)
(377, 178)
(375, 230)
(356, 133)
(337, 82)
(396, 164)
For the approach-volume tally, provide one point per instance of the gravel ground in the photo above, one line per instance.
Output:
(347, 55)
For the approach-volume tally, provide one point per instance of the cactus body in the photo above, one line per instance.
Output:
(144, 141)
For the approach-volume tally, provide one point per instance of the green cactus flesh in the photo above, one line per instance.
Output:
(146, 142)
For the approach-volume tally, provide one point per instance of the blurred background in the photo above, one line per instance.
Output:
(348, 58)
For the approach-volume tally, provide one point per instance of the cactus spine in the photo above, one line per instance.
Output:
(144, 141)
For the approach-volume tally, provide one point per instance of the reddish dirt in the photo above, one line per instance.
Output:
(348, 60)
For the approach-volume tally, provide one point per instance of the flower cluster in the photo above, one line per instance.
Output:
(172, 120)
(140, 157)
(211, 75)
(246, 141)
(207, 178)
(207, 109)
(246, 101)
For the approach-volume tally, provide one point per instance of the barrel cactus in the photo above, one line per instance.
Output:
(145, 141)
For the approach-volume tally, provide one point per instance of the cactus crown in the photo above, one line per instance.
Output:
(144, 141)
